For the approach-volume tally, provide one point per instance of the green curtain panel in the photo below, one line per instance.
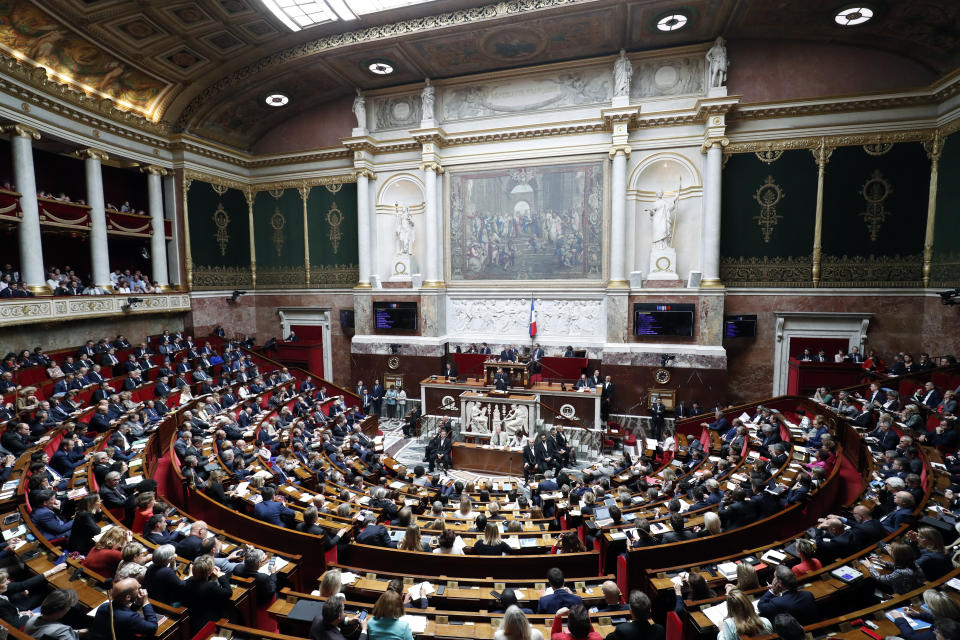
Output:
(219, 236)
(874, 215)
(945, 270)
(278, 236)
(332, 224)
(768, 218)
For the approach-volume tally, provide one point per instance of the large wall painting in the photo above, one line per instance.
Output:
(527, 223)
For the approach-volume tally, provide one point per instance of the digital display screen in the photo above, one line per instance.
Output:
(395, 316)
(346, 319)
(663, 319)
(740, 327)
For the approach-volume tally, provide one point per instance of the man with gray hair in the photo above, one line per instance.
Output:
(374, 534)
(113, 495)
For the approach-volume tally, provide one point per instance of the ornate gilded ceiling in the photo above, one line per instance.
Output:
(204, 66)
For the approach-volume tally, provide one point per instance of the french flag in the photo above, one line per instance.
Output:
(533, 318)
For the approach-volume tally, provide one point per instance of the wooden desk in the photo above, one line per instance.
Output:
(518, 372)
(481, 459)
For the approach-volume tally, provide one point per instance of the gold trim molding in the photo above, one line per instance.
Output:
(766, 271)
(846, 140)
(189, 175)
(216, 277)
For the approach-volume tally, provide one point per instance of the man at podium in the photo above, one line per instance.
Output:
(501, 380)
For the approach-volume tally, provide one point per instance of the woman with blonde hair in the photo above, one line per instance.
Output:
(105, 556)
(465, 510)
(747, 577)
(807, 550)
(515, 626)
(493, 510)
(711, 524)
(742, 619)
(411, 540)
(330, 584)
(491, 544)
(27, 400)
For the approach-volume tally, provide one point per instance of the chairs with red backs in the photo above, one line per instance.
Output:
(206, 631)
(623, 577)
(674, 629)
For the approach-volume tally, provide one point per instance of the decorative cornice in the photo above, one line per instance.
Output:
(94, 154)
(830, 106)
(320, 156)
(435, 135)
(21, 130)
(304, 183)
(189, 175)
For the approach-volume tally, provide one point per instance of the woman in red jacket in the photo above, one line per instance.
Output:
(105, 556)
(579, 626)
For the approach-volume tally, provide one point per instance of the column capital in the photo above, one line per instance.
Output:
(22, 130)
(934, 146)
(617, 149)
(154, 170)
(822, 153)
(365, 172)
(90, 152)
(709, 142)
(432, 165)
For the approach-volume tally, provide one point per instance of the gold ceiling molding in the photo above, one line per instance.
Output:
(526, 134)
(376, 33)
(845, 140)
(306, 184)
(319, 156)
(761, 111)
(189, 175)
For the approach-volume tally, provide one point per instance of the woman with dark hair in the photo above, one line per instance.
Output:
(903, 575)
(568, 542)
(579, 626)
(85, 525)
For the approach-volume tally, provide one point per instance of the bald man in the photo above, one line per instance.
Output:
(132, 613)
(611, 597)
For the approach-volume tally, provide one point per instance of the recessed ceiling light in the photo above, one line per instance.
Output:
(380, 67)
(277, 100)
(672, 22)
(852, 16)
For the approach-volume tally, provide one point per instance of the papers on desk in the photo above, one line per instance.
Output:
(915, 624)
(420, 590)
(97, 537)
(348, 577)
(19, 530)
(954, 583)
(9, 485)
(728, 570)
(135, 463)
(658, 528)
(684, 505)
(846, 574)
(73, 494)
(134, 479)
(717, 613)
(513, 542)
(23, 542)
(773, 557)
(459, 545)
(618, 535)
(279, 563)
(418, 624)
(745, 417)
(266, 475)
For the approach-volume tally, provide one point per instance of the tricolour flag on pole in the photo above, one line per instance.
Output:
(533, 318)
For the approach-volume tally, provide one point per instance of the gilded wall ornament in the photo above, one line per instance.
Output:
(334, 188)
(219, 188)
(768, 196)
(768, 156)
(334, 219)
(877, 148)
(222, 219)
(278, 222)
(875, 191)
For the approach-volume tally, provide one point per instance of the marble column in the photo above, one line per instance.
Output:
(363, 227)
(170, 213)
(618, 217)
(711, 212)
(431, 277)
(99, 250)
(158, 241)
(32, 271)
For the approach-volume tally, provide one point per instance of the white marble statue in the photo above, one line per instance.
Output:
(664, 213)
(622, 73)
(427, 97)
(717, 63)
(360, 110)
(478, 421)
(405, 231)
(515, 422)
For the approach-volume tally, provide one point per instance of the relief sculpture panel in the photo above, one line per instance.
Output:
(508, 318)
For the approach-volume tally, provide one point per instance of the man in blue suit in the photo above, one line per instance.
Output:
(67, 458)
(508, 355)
(375, 534)
(269, 510)
(902, 513)
(560, 597)
(48, 523)
(131, 611)
(784, 597)
(720, 424)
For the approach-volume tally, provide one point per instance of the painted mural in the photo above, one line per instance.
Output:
(527, 223)
(29, 33)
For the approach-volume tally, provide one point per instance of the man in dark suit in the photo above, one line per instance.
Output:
(720, 424)
(784, 597)
(130, 615)
(450, 371)
(544, 454)
(931, 395)
(886, 438)
(444, 450)
(679, 531)
(501, 381)
(864, 419)
(190, 546)
(594, 380)
(902, 513)
(485, 349)
(109, 360)
(376, 397)
(529, 461)
(560, 597)
(113, 495)
(657, 414)
(536, 358)
(583, 382)
(639, 627)
(508, 355)
(606, 398)
(48, 523)
(854, 356)
(88, 349)
(269, 510)
(327, 625)
(559, 444)
(374, 534)
(739, 511)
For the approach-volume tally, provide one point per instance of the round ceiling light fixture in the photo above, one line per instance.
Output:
(380, 67)
(277, 100)
(853, 15)
(672, 22)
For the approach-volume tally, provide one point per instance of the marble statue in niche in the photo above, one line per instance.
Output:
(664, 216)
(718, 63)
(622, 72)
(404, 231)
(360, 110)
(427, 97)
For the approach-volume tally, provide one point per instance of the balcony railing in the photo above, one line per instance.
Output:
(18, 311)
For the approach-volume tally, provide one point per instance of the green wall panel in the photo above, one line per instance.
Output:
(219, 236)
(278, 235)
(946, 242)
(332, 225)
(874, 216)
(777, 253)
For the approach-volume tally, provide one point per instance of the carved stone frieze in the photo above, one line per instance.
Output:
(18, 312)
(510, 317)
(215, 278)
(767, 272)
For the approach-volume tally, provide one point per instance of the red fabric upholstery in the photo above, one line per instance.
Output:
(206, 631)
(623, 577)
(674, 626)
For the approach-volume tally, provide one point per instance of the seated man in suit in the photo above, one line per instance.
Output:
(583, 383)
(902, 512)
(128, 616)
(720, 424)
(784, 597)
(885, 437)
(48, 523)
(508, 355)
(559, 597)
(374, 534)
(270, 510)
(639, 627)
(931, 395)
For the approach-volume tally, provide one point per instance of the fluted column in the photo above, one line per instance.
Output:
(618, 216)
(933, 148)
(822, 156)
(32, 271)
(365, 259)
(99, 249)
(431, 277)
(158, 241)
(713, 147)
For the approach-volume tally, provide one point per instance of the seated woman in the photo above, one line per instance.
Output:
(447, 543)
(568, 542)
(106, 556)
(412, 541)
(491, 544)
(206, 593)
(515, 626)
(807, 549)
(579, 626)
(386, 623)
(162, 581)
(742, 619)
(903, 575)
